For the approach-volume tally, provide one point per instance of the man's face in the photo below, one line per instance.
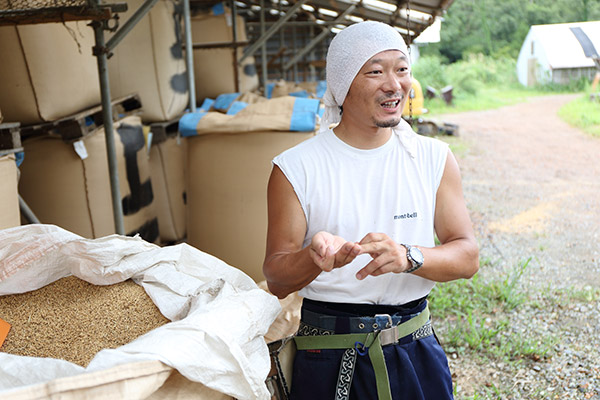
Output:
(379, 90)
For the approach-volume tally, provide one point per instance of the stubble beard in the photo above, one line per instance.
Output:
(387, 124)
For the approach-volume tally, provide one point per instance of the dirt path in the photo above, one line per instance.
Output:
(532, 183)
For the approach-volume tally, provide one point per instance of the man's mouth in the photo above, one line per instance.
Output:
(390, 104)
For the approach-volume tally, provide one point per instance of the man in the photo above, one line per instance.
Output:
(352, 216)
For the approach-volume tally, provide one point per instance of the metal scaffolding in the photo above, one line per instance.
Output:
(283, 31)
(22, 12)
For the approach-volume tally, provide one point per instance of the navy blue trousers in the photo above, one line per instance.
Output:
(417, 370)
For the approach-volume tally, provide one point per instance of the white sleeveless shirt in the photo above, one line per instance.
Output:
(351, 192)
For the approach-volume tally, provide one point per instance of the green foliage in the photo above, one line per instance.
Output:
(476, 295)
(473, 319)
(430, 71)
(578, 85)
(482, 82)
(498, 28)
(583, 113)
(476, 316)
(588, 294)
(467, 76)
(476, 71)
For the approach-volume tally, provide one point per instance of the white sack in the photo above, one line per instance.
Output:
(219, 315)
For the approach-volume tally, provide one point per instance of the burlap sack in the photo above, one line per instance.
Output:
(286, 114)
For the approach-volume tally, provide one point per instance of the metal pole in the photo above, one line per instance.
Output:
(189, 54)
(294, 43)
(264, 45)
(252, 49)
(281, 45)
(316, 40)
(296, 23)
(236, 70)
(27, 213)
(100, 52)
(312, 57)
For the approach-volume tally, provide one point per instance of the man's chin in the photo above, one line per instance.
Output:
(390, 123)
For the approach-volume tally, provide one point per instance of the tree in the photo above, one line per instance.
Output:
(498, 27)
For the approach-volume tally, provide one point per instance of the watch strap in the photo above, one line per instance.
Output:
(415, 264)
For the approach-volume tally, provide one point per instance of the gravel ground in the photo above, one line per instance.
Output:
(532, 184)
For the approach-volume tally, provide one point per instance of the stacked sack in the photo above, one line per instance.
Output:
(49, 76)
(150, 62)
(231, 143)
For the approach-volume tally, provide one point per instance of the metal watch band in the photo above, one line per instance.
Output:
(415, 265)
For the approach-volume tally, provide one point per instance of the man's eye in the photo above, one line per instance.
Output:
(376, 72)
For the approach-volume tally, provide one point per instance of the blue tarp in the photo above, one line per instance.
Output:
(303, 118)
(236, 107)
(224, 101)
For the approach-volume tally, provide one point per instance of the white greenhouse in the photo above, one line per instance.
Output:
(559, 53)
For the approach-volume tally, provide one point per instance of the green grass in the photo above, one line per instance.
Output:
(473, 320)
(572, 295)
(484, 83)
(583, 113)
(486, 99)
(587, 294)
(474, 314)
(459, 147)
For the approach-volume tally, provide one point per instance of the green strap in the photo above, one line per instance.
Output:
(347, 341)
(372, 340)
(382, 380)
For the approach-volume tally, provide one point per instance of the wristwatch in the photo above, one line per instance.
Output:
(415, 257)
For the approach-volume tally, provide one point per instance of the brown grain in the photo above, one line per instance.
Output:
(72, 319)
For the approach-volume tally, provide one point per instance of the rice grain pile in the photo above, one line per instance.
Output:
(72, 319)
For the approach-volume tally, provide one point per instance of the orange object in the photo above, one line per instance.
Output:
(595, 82)
(4, 328)
(417, 101)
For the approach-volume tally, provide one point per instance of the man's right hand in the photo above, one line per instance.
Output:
(329, 251)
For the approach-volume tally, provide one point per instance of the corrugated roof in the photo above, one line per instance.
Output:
(421, 13)
(295, 33)
(561, 46)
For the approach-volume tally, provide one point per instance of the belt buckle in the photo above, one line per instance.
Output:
(389, 318)
(389, 334)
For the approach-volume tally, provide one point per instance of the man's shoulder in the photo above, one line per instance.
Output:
(431, 144)
(310, 145)
(429, 140)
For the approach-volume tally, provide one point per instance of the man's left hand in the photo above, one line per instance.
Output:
(388, 256)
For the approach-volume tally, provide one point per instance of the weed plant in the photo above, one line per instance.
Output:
(475, 312)
(583, 113)
(475, 319)
(482, 83)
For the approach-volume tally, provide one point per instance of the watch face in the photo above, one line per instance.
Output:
(416, 255)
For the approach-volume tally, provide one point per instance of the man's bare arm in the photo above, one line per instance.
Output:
(288, 267)
(458, 253)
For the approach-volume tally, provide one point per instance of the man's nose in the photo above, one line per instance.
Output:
(392, 83)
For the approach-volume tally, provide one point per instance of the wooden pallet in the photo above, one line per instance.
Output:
(84, 123)
(161, 131)
(10, 139)
(46, 14)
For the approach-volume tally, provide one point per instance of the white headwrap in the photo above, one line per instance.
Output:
(349, 50)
